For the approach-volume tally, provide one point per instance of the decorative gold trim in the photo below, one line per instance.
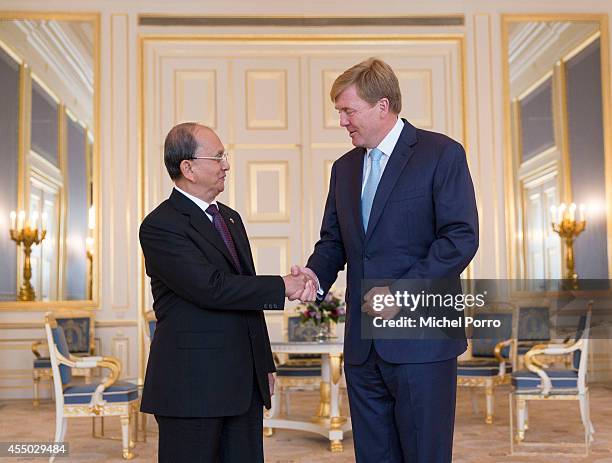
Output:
(283, 20)
(561, 126)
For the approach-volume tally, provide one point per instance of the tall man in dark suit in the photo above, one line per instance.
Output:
(210, 365)
(400, 206)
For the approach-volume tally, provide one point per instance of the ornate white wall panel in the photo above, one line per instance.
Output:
(268, 191)
(121, 238)
(266, 99)
(484, 150)
(272, 256)
(196, 97)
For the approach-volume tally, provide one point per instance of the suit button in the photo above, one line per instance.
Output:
(367, 257)
(252, 335)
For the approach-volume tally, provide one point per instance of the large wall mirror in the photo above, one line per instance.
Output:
(558, 147)
(49, 176)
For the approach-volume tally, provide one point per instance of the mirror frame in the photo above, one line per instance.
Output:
(93, 303)
(515, 248)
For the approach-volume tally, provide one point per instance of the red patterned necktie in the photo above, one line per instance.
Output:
(221, 227)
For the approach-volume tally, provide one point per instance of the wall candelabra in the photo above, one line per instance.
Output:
(26, 233)
(568, 227)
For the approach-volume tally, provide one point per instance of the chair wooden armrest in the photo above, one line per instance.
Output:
(535, 366)
(500, 358)
(36, 345)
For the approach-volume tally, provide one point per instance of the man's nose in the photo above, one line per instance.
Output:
(343, 120)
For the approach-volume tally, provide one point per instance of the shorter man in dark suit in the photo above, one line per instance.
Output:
(210, 368)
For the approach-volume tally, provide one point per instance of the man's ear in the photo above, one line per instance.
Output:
(383, 105)
(186, 169)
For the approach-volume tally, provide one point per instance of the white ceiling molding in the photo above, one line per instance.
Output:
(59, 56)
(535, 47)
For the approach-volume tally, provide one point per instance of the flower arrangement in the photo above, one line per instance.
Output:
(332, 308)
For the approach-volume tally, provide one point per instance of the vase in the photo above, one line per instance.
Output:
(323, 332)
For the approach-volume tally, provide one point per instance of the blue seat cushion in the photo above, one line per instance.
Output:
(480, 368)
(43, 362)
(121, 391)
(297, 370)
(561, 379)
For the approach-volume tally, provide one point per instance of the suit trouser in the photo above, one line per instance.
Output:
(402, 413)
(225, 439)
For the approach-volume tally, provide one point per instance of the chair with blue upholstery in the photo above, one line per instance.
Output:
(109, 397)
(78, 326)
(533, 328)
(492, 352)
(301, 371)
(538, 382)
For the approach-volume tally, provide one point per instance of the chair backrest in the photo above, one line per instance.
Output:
(534, 324)
(580, 359)
(485, 336)
(78, 333)
(56, 340)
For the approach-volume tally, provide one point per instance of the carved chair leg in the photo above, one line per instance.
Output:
(520, 418)
(36, 381)
(125, 437)
(489, 389)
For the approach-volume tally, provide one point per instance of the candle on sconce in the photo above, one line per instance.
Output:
(553, 213)
(89, 245)
(581, 215)
(13, 216)
(34, 220)
(20, 220)
(561, 212)
(43, 220)
(572, 212)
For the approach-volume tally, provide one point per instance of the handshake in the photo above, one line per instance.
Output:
(301, 284)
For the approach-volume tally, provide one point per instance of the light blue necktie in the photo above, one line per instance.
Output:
(367, 198)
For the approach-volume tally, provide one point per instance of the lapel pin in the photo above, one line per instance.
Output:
(231, 220)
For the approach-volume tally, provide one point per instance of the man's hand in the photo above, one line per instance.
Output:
(271, 383)
(298, 285)
(388, 312)
(309, 294)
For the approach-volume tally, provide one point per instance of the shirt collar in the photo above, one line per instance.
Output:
(201, 204)
(387, 145)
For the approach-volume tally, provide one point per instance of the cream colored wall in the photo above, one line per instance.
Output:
(121, 288)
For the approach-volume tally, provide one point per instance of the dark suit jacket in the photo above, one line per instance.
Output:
(211, 332)
(423, 225)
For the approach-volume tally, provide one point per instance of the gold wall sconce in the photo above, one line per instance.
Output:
(568, 227)
(25, 232)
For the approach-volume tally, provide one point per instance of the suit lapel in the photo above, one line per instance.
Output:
(239, 240)
(355, 180)
(200, 222)
(402, 153)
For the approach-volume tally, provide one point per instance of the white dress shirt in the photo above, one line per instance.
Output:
(387, 145)
(201, 204)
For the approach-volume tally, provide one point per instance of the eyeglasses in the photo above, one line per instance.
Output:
(222, 157)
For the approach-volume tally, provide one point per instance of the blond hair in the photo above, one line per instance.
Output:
(374, 79)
